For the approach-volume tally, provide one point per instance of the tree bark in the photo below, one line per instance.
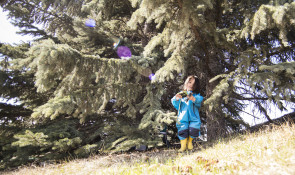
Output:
(216, 123)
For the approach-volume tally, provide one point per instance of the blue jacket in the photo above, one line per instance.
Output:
(189, 110)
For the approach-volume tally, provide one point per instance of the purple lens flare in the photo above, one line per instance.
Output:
(124, 52)
(152, 77)
(90, 23)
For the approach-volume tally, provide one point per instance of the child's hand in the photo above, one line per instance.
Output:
(178, 96)
(191, 97)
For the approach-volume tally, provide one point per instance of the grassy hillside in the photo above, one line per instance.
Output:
(269, 151)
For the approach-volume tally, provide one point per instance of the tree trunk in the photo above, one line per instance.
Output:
(210, 57)
(216, 124)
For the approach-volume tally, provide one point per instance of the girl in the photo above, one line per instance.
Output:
(188, 103)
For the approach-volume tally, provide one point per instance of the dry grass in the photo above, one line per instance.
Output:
(271, 151)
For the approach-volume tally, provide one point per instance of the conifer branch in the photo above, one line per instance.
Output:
(262, 109)
(240, 97)
(250, 114)
(282, 50)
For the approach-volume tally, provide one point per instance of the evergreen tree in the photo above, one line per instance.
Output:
(229, 43)
(82, 97)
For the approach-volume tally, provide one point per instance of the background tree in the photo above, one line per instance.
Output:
(85, 98)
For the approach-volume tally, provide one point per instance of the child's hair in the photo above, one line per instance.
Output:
(196, 86)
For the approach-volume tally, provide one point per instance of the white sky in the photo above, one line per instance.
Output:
(8, 35)
(8, 31)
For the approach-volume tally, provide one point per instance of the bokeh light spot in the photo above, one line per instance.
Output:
(152, 77)
(90, 23)
(124, 52)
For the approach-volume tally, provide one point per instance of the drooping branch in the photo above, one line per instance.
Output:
(262, 109)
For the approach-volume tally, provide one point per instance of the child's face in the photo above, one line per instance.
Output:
(190, 84)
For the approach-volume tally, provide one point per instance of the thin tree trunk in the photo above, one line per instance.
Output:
(216, 124)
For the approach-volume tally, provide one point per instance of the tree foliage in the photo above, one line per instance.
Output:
(77, 96)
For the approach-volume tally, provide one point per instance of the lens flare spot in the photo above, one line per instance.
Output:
(124, 52)
(152, 77)
(90, 23)
(116, 43)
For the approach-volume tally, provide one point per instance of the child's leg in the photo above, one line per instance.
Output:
(194, 129)
(193, 133)
(183, 130)
(183, 133)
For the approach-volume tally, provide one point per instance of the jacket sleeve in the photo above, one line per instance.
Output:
(175, 102)
(198, 100)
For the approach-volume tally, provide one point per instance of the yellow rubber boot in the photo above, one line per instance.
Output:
(190, 143)
(183, 145)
